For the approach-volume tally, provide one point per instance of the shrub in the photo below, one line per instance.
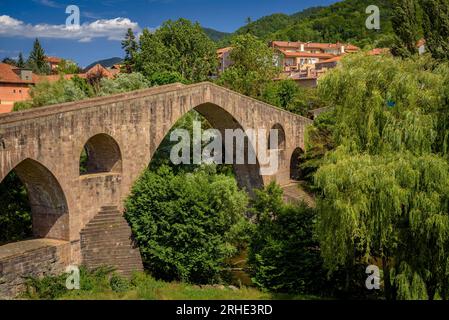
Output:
(124, 82)
(284, 254)
(185, 224)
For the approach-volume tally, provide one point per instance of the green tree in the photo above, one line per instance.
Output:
(383, 195)
(124, 82)
(36, 60)
(177, 46)
(436, 27)
(46, 93)
(68, 67)
(10, 61)
(405, 25)
(167, 77)
(284, 253)
(130, 45)
(15, 216)
(20, 61)
(252, 66)
(185, 224)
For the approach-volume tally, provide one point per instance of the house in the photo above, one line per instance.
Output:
(15, 83)
(53, 62)
(421, 45)
(296, 56)
(224, 58)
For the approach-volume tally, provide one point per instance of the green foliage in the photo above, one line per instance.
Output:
(284, 253)
(265, 25)
(46, 93)
(124, 82)
(166, 77)
(68, 67)
(343, 21)
(384, 190)
(319, 141)
(177, 46)
(405, 24)
(36, 60)
(252, 66)
(15, 215)
(83, 85)
(130, 45)
(45, 288)
(52, 287)
(119, 284)
(436, 27)
(100, 284)
(22, 105)
(286, 94)
(182, 223)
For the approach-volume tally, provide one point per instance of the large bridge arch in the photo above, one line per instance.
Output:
(47, 200)
(247, 175)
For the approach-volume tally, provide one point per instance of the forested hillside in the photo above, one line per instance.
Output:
(343, 21)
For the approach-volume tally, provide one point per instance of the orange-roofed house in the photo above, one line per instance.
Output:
(15, 84)
(224, 58)
(303, 56)
(53, 62)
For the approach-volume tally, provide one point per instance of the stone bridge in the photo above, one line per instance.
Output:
(77, 217)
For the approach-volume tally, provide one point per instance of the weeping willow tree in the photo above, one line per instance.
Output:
(384, 191)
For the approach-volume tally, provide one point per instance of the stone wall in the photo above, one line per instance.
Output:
(35, 258)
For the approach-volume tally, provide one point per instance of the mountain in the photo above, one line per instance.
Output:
(343, 21)
(266, 25)
(107, 63)
(215, 35)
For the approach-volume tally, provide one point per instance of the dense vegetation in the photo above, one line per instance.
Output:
(343, 21)
(103, 284)
(186, 225)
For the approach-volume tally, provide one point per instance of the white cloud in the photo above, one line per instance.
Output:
(48, 3)
(112, 29)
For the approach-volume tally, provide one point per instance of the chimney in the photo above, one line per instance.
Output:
(302, 47)
(342, 50)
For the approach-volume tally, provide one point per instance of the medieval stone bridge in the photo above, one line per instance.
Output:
(77, 217)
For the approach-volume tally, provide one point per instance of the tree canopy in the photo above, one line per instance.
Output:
(177, 46)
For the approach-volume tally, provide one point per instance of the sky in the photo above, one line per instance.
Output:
(103, 23)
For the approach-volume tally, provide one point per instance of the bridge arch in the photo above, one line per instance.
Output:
(101, 154)
(47, 200)
(247, 175)
(295, 161)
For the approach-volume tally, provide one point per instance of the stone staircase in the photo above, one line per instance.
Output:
(106, 241)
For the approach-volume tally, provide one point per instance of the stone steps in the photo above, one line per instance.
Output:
(106, 241)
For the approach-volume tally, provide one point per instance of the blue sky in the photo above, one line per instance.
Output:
(104, 21)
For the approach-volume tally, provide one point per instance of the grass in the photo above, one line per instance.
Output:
(102, 285)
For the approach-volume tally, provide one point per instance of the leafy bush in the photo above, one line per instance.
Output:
(184, 224)
(284, 254)
(15, 215)
(22, 105)
(46, 93)
(124, 82)
(167, 77)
